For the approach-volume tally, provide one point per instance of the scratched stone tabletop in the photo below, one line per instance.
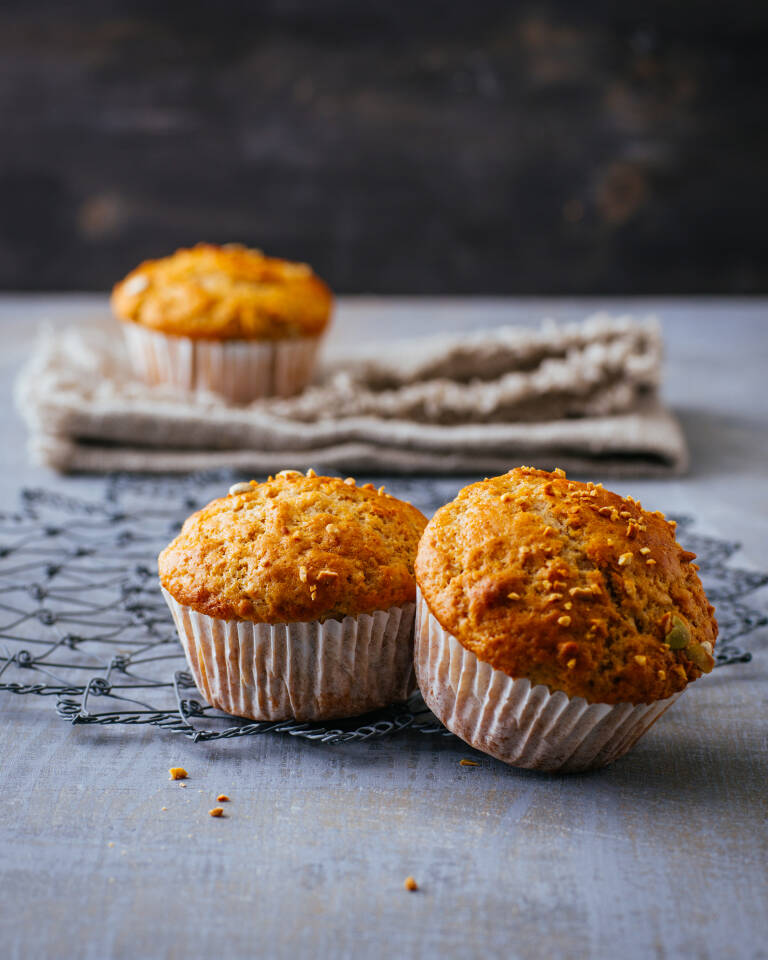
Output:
(663, 854)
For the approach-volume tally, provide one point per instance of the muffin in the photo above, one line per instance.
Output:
(555, 621)
(225, 319)
(295, 597)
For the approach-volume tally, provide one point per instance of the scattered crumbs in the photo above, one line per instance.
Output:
(468, 763)
(163, 808)
(182, 784)
(178, 773)
(111, 843)
(216, 812)
(410, 884)
(222, 798)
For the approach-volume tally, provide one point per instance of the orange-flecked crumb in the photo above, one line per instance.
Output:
(178, 773)
(222, 798)
(163, 808)
(216, 812)
(410, 884)
(468, 763)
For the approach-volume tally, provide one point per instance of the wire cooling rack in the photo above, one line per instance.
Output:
(82, 619)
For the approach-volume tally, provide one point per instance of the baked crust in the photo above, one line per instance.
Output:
(224, 293)
(568, 585)
(293, 549)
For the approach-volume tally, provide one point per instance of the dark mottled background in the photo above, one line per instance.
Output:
(422, 147)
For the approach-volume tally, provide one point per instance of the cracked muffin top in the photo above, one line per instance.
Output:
(568, 585)
(295, 548)
(224, 293)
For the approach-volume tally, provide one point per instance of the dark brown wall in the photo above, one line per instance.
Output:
(417, 147)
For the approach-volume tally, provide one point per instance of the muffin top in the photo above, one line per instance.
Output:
(568, 585)
(295, 548)
(224, 293)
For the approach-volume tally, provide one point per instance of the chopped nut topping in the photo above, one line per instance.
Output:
(624, 559)
(625, 514)
(410, 884)
(639, 658)
(571, 664)
(564, 621)
(645, 550)
(239, 488)
(582, 591)
(605, 511)
(662, 674)
(350, 481)
(313, 593)
(287, 474)
(325, 574)
(367, 486)
(513, 596)
(303, 574)
(380, 491)
(558, 472)
(216, 812)
(137, 284)
(650, 562)
(178, 773)
(311, 473)
(568, 605)
(632, 529)
(506, 497)
(547, 531)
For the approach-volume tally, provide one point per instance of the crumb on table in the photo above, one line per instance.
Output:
(222, 798)
(178, 773)
(468, 763)
(217, 812)
(410, 884)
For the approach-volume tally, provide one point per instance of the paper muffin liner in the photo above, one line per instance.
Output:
(238, 370)
(307, 671)
(523, 725)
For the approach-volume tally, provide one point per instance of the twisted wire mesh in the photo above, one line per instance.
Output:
(82, 618)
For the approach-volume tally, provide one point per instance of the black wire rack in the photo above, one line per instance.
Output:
(82, 619)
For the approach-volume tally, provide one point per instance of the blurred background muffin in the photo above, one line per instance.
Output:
(556, 621)
(224, 318)
(295, 597)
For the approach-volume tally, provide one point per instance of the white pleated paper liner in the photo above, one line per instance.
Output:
(238, 370)
(509, 719)
(306, 671)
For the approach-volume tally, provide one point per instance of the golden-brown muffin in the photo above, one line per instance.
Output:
(295, 548)
(210, 292)
(567, 585)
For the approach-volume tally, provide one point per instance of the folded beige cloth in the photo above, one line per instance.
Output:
(583, 396)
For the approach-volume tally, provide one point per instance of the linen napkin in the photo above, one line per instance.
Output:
(583, 396)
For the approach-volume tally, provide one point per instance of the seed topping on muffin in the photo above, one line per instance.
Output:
(549, 579)
(223, 293)
(295, 548)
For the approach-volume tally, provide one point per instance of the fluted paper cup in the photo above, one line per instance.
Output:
(238, 370)
(308, 671)
(523, 725)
